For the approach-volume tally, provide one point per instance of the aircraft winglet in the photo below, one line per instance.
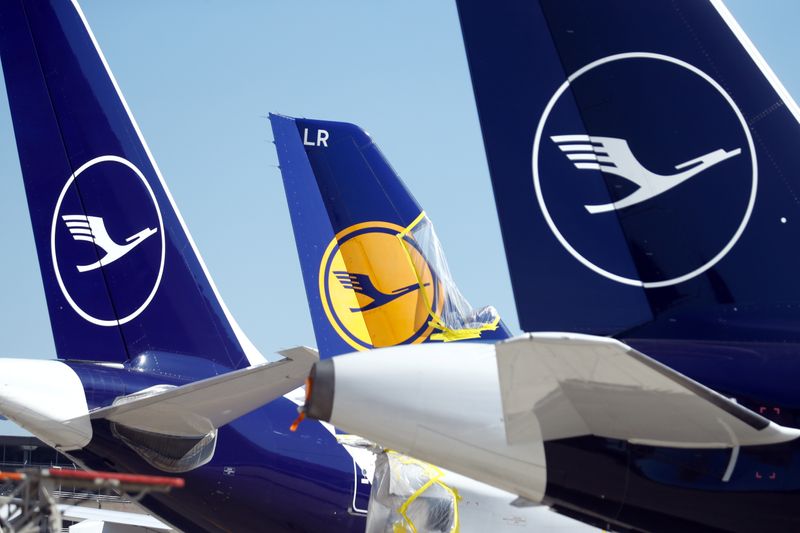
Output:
(194, 409)
(568, 385)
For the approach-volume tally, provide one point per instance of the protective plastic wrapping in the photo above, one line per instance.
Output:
(409, 496)
(168, 452)
(456, 319)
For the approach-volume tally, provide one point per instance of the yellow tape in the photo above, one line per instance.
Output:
(434, 478)
(447, 334)
(450, 335)
(417, 220)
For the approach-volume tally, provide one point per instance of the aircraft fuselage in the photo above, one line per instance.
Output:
(262, 477)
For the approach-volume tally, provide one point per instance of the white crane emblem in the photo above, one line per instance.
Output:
(93, 229)
(614, 156)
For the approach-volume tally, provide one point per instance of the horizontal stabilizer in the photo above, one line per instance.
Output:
(197, 408)
(561, 385)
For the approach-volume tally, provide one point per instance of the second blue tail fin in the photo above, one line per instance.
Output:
(372, 265)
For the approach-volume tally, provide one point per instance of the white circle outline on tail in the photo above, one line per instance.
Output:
(540, 198)
(72, 303)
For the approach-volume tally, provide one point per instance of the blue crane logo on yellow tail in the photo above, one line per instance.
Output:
(362, 284)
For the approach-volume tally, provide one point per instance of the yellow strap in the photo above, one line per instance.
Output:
(417, 220)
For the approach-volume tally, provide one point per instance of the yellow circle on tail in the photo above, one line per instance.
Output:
(371, 294)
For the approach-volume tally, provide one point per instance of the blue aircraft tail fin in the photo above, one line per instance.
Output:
(372, 265)
(122, 275)
(645, 168)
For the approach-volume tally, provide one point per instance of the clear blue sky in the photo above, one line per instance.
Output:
(200, 78)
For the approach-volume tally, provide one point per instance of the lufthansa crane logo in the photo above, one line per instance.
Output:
(614, 156)
(107, 241)
(651, 178)
(362, 284)
(377, 290)
(93, 230)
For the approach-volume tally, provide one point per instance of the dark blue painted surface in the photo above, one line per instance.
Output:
(622, 486)
(355, 180)
(521, 52)
(732, 327)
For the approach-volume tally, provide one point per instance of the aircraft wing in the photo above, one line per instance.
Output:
(197, 408)
(560, 385)
(487, 411)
